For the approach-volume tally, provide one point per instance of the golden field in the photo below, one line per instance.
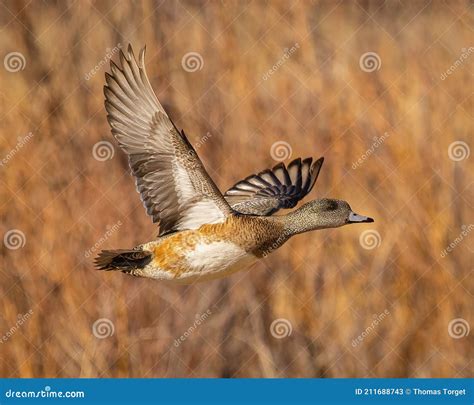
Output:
(396, 301)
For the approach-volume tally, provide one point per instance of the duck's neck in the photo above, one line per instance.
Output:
(299, 221)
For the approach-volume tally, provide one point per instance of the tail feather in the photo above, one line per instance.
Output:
(124, 260)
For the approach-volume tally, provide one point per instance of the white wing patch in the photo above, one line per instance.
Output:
(203, 212)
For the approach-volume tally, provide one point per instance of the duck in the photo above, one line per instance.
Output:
(203, 234)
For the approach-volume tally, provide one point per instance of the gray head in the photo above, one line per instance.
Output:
(323, 213)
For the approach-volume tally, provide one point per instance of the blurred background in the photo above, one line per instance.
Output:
(381, 89)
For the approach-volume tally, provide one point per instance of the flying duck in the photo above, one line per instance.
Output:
(203, 234)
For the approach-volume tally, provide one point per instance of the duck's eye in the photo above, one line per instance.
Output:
(332, 206)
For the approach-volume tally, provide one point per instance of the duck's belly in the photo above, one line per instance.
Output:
(204, 260)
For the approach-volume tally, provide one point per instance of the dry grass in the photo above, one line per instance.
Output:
(320, 102)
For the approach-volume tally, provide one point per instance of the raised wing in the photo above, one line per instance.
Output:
(174, 186)
(281, 187)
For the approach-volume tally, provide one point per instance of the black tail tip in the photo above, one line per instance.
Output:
(121, 259)
(104, 259)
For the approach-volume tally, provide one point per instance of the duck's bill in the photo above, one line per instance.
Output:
(353, 218)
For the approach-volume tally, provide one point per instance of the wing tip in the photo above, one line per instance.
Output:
(127, 56)
(141, 57)
(317, 164)
(314, 171)
(294, 162)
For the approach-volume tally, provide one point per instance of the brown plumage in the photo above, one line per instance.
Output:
(203, 234)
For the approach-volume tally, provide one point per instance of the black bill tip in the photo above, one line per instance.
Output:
(356, 218)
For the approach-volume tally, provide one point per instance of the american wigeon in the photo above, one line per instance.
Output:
(203, 233)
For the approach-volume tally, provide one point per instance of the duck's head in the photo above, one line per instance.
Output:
(323, 213)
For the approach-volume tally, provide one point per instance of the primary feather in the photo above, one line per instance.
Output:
(270, 190)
